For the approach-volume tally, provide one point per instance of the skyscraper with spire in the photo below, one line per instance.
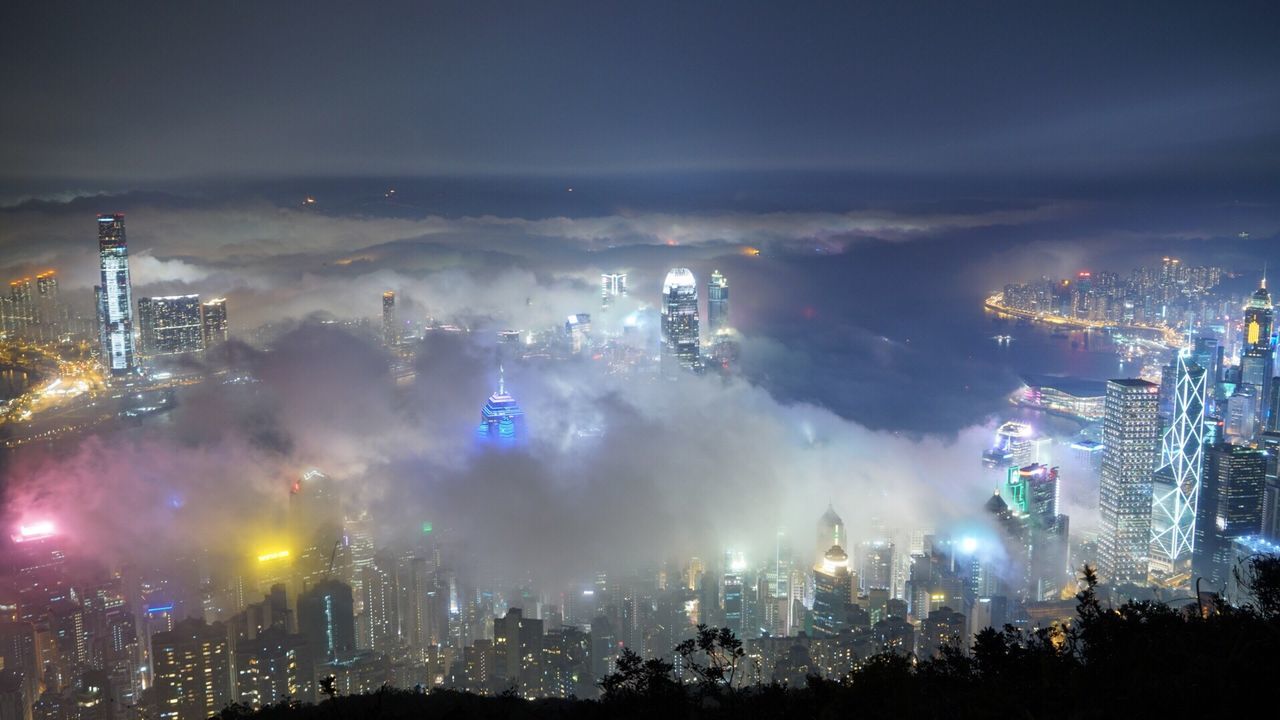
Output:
(501, 419)
(1257, 358)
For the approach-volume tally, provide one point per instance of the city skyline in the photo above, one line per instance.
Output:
(417, 373)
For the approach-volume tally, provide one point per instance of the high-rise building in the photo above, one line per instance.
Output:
(830, 532)
(213, 315)
(192, 667)
(170, 325)
(1130, 436)
(717, 303)
(390, 329)
(501, 419)
(577, 330)
(832, 592)
(326, 617)
(1231, 506)
(1012, 448)
(1257, 359)
(680, 338)
(517, 653)
(612, 287)
(1176, 485)
(115, 296)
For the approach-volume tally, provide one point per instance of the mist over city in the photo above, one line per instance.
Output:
(617, 360)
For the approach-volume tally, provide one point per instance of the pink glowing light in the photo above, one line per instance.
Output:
(34, 531)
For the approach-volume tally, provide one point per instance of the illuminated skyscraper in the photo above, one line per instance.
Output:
(612, 287)
(1012, 448)
(171, 325)
(390, 330)
(1176, 485)
(680, 349)
(830, 532)
(115, 296)
(1231, 506)
(1130, 436)
(832, 592)
(717, 303)
(1257, 360)
(213, 315)
(501, 419)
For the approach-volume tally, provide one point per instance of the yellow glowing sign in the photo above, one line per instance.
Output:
(1254, 332)
(278, 555)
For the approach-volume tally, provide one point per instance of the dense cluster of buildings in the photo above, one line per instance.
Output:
(1189, 464)
(1172, 294)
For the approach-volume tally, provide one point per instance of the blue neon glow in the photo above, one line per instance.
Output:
(160, 608)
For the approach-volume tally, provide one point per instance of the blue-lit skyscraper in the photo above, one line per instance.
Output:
(1176, 484)
(115, 296)
(501, 419)
(680, 348)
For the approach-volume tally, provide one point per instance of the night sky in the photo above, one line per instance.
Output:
(125, 93)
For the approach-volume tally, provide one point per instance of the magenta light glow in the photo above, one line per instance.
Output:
(34, 531)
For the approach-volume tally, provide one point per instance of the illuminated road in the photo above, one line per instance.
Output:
(1171, 338)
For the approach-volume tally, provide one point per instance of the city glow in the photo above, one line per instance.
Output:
(277, 555)
(34, 531)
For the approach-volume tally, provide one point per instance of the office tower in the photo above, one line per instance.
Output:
(1176, 484)
(1257, 359)
(19, 653)
(876, 570)
(680, 343)
(501, 419)
(612, 287)
(517, 653)
(734, 598)
(1130, 436)
(717, 303)
(830, 532)
(1012, 448)
(1207, 353)
(1241, 421)
(390, 329)
(48, 308)
(832, 592)
(171, 325)
(213, 315)
(1269, 443)
(1231, 506)
(577, 329)
(1038, 533)
(115, 296)
(192, 667)
(326, 618)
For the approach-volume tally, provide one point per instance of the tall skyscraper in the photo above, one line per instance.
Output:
(1257, 359)
(1231, 506)
(680, 339)
(170, 325)
(1176, 485)
(115, 296)
(213, 314)
(501, 419)
(717, 303)
(326, 617)
(1130, 436)
(390, 329)
(832, 592)
(830, 532)
(612, 287)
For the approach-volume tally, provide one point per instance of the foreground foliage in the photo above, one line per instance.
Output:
(1141, 659)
